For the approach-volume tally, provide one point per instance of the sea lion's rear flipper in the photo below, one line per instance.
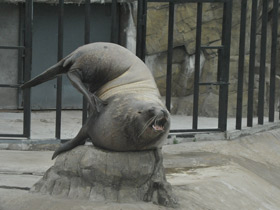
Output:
(51, 73)
(80, 139)
(75, 77)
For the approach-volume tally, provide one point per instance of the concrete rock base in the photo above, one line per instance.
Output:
(93, 174)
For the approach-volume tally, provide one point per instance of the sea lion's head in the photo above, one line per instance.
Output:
(150, 124)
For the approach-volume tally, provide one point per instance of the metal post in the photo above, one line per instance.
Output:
(141, 29)
(241, 64)
(59, 78)
(169, 55)
(86, 41)
(197, 66)
(20, 52)
(144, 26)
(139, 36)
(223, 93)
(273, 60)
(27, 66)
(250, 107)
(114, 22)
(262, 63)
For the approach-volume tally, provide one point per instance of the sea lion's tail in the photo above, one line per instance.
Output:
(47, 75)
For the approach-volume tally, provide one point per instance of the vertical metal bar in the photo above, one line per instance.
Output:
(139, 35)
(273, 60)
(59, 78)
(223, 93)
(262, 63)
(169, 55)
(241, 64)
(250, 107)
(20, 53)
(28, 65)
(87, 21)
(144, 23)
(114, 21)
(197, 66)
(87, 40)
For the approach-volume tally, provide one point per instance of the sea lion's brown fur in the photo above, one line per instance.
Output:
(127, 113)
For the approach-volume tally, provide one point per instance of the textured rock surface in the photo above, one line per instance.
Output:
(93, 174)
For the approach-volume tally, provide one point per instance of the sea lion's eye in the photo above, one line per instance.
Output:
(139, 112)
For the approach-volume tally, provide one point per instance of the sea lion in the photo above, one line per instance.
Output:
(126, 111)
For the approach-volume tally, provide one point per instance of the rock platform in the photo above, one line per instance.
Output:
(89, 173)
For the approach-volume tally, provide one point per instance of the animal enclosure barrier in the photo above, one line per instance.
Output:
(249, 34)
(223, 56)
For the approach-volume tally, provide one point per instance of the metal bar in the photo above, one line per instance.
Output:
(213, 83)
(211, 47)
(139, 34)
(223, 93)
(114, 25)
(20, 53)
(241, 64)
(190, 1)
(250, 106)
(28, 66)
(12, 135)
(9, 86)
(144, 23)
(86, 41)
(169, 55)
(273, 60)
(195, 130)
(87, 22)
(197, 66)
(12, 47)
(59, 78)
(262, 63)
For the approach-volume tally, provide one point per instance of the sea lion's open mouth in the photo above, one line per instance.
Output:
(158, 124)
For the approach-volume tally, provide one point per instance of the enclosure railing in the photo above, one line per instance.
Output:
(253, 32)
(223, 59)
(223, 56)
(26, 52)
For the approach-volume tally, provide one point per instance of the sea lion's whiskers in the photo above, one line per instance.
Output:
(146, 125)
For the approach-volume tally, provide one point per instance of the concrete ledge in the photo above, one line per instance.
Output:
(230, 135)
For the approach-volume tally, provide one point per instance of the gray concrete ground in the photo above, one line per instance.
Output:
(216, 175)
(209, 174)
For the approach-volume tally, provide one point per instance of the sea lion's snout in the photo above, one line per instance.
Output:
(160, 121)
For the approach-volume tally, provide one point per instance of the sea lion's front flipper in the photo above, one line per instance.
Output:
(80, 139)
(75, 77)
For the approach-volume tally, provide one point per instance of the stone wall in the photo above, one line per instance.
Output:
(184, 53)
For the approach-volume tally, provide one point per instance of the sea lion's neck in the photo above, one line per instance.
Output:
(140, 81)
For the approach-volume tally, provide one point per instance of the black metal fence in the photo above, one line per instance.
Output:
(223, 59)
(223, 56)
(262, 71)
(26, 52)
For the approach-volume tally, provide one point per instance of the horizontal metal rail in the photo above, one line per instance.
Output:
(214, 83)
(12, 47)
(212, 47)
(9, 86)
(190, 1)
(13, 135)
(196, 130)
